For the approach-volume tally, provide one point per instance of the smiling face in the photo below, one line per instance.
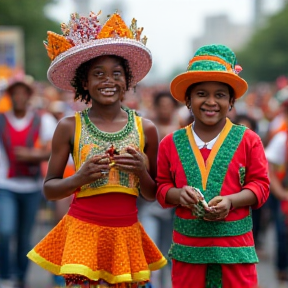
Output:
(106, 80)
(210, 102)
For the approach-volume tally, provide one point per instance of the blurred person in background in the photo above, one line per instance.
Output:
(279, 123)
(158, 222)
(165, 119)
(24, 143)
(185, 116)
(132, 100)
(277, 156)
(257, 214)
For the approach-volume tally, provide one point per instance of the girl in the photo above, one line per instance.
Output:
(216, 162)
(100, 241)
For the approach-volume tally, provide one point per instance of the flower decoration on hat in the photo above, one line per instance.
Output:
(56, 44)
(82, 29)
(115, 27)
(237, 69)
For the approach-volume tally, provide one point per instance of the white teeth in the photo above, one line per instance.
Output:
(108, 89)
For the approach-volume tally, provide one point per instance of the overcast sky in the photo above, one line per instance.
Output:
(170, 25)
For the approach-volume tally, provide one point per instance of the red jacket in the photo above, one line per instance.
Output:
(236, 162)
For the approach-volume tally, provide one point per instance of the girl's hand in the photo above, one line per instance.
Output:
(219, 208)
(95, 168)
(132, 161)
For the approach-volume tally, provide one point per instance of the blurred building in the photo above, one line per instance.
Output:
(219, 30)
(11, 47)
(11, 61)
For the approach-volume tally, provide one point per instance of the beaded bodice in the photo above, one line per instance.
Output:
(90, 141)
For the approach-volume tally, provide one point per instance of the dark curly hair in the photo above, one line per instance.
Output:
(192, 86)
(81, 76)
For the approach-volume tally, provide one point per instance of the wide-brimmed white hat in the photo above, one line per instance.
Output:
(84, 39)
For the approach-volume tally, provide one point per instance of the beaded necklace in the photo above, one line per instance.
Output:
(110, 136)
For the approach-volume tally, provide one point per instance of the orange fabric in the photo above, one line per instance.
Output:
(211, 58)
(69, 171)
(5, 104)
(282, 127)
(90, 247)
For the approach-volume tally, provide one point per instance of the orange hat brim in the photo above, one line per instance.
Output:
(180, 83)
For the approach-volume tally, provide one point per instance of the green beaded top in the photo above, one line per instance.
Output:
(93, 142)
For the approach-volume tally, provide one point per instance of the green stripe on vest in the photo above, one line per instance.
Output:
(213, 276)
(213, 255)
(220, 164)
(202, 228)
(188, 160)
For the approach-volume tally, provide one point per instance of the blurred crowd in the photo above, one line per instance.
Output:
(263, 109)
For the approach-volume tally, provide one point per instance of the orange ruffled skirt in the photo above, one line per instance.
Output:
(114, 254)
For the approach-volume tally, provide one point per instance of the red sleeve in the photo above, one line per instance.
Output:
(256, 178)
(164, 178)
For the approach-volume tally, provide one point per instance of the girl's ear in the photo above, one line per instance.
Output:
(84, 84)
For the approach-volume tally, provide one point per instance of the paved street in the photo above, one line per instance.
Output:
(39, 278)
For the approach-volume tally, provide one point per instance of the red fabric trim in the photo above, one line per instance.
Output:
(111, 209)
(244, 240)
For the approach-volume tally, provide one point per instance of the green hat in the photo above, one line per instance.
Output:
(210, 63)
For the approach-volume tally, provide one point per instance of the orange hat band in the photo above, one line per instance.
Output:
(210, 58)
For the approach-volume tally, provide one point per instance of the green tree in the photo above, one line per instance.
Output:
(266, 55)
(30, 17)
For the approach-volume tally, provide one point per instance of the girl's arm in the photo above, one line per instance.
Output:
(147, 179)
(55, 187)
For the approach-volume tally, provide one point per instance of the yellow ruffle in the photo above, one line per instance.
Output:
(115, 254)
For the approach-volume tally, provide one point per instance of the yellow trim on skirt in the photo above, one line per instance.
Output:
(114, 254)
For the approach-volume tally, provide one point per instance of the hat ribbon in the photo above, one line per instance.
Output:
(210, 58)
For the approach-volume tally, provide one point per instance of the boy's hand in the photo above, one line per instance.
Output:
(220, 207)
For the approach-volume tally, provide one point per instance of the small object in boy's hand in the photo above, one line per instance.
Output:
(201, 198)
(201, 207)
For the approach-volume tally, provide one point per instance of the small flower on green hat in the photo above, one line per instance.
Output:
(237, 69)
